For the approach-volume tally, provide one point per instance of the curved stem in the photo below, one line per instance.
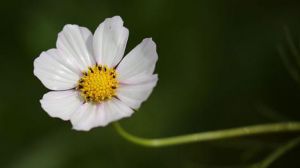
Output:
(210, 135)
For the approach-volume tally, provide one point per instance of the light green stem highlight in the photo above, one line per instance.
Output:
(210, 135)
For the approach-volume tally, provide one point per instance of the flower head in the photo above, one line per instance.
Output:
(92, 83)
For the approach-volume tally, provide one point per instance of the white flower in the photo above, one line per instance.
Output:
(92, 85)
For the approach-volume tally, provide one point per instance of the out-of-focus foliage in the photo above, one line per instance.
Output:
(219, 67)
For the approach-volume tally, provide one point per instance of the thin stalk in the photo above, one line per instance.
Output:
(280, 151)
(288, 64)
(292, 46)
(210, 135)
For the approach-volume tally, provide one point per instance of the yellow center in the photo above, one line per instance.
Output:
(98, 84)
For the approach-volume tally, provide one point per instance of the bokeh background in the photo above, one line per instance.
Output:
(219, 67)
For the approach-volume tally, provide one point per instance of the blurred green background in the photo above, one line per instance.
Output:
(218, 67)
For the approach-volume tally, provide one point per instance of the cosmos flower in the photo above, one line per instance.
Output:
(92, 84)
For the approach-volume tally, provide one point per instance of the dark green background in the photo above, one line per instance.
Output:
(218, 68)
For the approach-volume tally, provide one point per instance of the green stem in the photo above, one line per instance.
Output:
(292, 46)
(277, 153)
(288, 64)
(211, 135)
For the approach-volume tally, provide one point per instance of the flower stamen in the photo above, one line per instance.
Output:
(98, 84)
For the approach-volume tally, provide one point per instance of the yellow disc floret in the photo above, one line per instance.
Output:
(98, 84)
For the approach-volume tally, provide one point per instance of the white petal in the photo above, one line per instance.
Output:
(91, 115)
(134, 94)
(110, 41)
(84, 118)
(76, 43)
(54, 70)
(138, 62)
(114, 110)
(61, 104)
(138, 79)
